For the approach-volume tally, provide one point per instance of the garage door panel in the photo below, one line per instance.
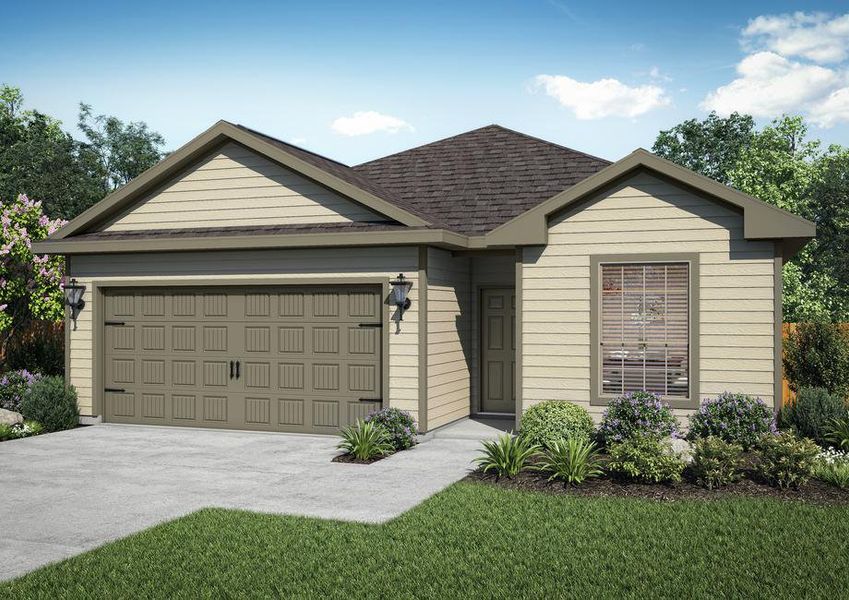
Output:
(305, 360)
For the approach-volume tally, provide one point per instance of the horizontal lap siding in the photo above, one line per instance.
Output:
(299, 266)
(237, 187)
(647, 215)
(448, 333)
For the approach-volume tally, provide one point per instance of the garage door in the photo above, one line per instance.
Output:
(302, 359)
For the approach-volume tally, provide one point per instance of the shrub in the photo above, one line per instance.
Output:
(506, 455)
(812, 413)
(838, 432)
(645, 458)
(716, 462)
(365, 441)
(52, 404)
(817, 355)
(572, 460)
(832, 467)
(13, 387)
(398, 424)
(640, 414)
(786, 460)
(19, 430)
(551, 421)
(736, 418)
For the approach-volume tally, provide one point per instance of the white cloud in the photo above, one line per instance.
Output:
(769, 84)
(602, 98)
(658, 75)
(815, 36)
(298, 141)
(832, 110)
(369, 121)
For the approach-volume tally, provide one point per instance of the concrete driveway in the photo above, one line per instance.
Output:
(69, 492)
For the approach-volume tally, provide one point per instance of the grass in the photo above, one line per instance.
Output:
(475, 540)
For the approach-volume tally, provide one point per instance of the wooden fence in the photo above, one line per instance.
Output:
(789, 395)
(35, 330)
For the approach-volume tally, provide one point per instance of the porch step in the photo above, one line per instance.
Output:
(473, 429)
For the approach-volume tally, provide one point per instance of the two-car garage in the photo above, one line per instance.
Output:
(278, 358)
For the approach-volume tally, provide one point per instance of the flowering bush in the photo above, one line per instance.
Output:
(13, 386)
(552, 421)
(19, 430)
(735, 418)
(30, 285)
(832, 467)
(399, 424)
(636, 414)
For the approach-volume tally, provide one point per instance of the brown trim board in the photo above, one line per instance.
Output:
(778, 358)
(596, 260)
(424, 383)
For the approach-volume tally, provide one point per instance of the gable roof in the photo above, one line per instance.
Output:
(761, 221)
(329, 173)
(490, 187)
(478, 180)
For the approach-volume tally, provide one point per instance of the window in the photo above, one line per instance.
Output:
(644, 329)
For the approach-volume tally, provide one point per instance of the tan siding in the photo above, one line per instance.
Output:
(299, 266)
(238, 187)
(647, 215)
(448, 332)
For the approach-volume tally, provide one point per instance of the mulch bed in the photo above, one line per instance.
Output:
(815, 492)
(349, 458)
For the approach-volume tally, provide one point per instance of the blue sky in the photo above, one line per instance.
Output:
(358, 80)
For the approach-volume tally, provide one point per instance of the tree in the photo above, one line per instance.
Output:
(710, 147)
(780, 166)
(30, 285)
(36, 156)
(123, 150)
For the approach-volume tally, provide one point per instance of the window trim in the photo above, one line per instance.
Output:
(596, 261)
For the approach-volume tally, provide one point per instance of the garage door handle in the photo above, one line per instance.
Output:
(370, 399)
(232, 364)
(237, 369)
(118, 323)
(371, 325)
(115, 390)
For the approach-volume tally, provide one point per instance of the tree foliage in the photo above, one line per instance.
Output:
(711, 147)
(30, 285)
(779, 165)
(41, 160)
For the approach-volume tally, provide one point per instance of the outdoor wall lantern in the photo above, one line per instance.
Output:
(400, 288)
(74, 299)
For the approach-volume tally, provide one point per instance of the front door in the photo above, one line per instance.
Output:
(498, 350)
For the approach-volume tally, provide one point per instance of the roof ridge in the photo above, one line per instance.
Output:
(439, 141)
(490, 126)
(550, 143)
(279, 141)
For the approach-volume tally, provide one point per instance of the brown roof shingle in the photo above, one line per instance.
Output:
(476, 181)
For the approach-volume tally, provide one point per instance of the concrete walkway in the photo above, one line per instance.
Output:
(69, 492)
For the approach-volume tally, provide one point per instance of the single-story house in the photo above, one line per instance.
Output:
(247, 283)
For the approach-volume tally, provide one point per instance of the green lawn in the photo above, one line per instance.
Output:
(475, 540)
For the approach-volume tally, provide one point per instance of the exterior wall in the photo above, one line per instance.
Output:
(279, 266)
(238, 187)
(648, 215)
(449, 301)
(486, 271)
